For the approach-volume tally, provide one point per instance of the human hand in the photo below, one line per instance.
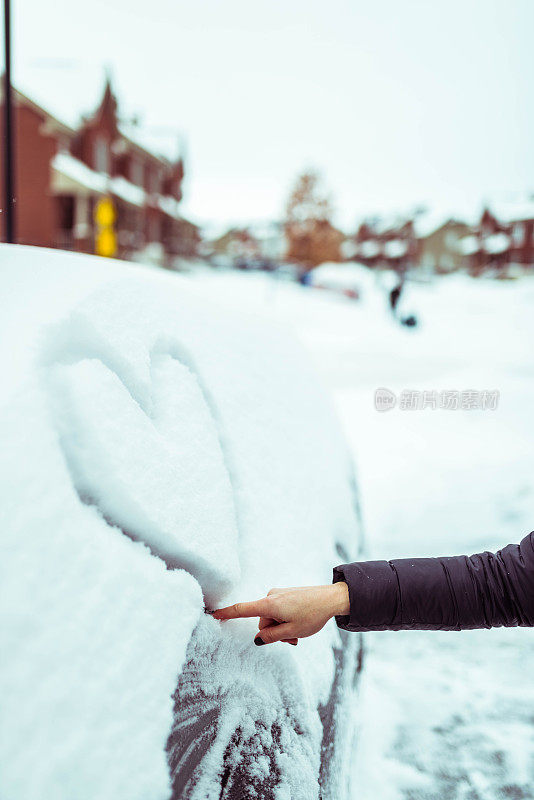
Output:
(287, 615)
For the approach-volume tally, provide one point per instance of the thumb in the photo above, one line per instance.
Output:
(274, 633)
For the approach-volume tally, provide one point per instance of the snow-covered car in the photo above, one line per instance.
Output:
(163, 453)
(352, 280)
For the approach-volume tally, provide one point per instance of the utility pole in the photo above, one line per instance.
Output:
(9, 156)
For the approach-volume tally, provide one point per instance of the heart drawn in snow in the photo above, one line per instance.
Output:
(158, 474)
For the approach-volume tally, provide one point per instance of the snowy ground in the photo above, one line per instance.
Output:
(448, 715)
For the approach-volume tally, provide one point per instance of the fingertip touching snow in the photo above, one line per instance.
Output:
(162, 452)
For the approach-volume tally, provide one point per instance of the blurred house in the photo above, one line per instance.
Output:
(258, 245)
(515, 220)
(62, 170)
(387, 243)
(272, 243)
(311, 242)
(438, 242)
(235, 247)
(502, 240)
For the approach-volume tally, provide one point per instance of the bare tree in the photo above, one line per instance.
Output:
(311, 236)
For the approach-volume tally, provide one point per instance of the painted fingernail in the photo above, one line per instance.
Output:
(258, 641)
(207, 611)
(294, 643)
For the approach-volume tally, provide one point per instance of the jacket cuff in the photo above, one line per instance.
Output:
(373, 595)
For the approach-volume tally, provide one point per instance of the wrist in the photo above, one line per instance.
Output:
(340, 599)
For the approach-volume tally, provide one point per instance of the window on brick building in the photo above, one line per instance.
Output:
(63, 144)
(101, 158)
(517, 233)
(65, 212)
(154, 184)
(136, 172)
(154, 229)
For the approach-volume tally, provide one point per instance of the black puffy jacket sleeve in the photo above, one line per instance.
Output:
(456, 593)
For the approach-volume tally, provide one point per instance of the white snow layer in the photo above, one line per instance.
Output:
(93, 632)
(160, 450)
(440, 714)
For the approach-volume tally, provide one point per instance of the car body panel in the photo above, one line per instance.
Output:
(278, 486)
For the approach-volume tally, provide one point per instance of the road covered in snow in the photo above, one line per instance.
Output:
(448, 714)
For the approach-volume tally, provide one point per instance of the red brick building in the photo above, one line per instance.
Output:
(62, 171)
(503, 239)
(383, 242)
(500, 238)
(515, 220)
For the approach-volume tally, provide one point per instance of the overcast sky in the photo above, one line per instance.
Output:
(397, 102)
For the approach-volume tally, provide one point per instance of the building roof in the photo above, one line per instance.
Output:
(170, 206)
(386, 223)
(512, 211)
(161, 145)
(71, 96)
(22, 98)
(428, 222)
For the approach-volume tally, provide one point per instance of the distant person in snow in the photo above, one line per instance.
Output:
(485, 590)
(394, 296)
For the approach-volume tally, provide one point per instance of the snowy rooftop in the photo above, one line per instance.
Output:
(161, 143)
(170, 206)
(431, 219)
(429, 222)
(513, 210)
(71, 94)
(67, 94)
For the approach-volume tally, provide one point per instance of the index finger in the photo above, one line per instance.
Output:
(255, 608)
